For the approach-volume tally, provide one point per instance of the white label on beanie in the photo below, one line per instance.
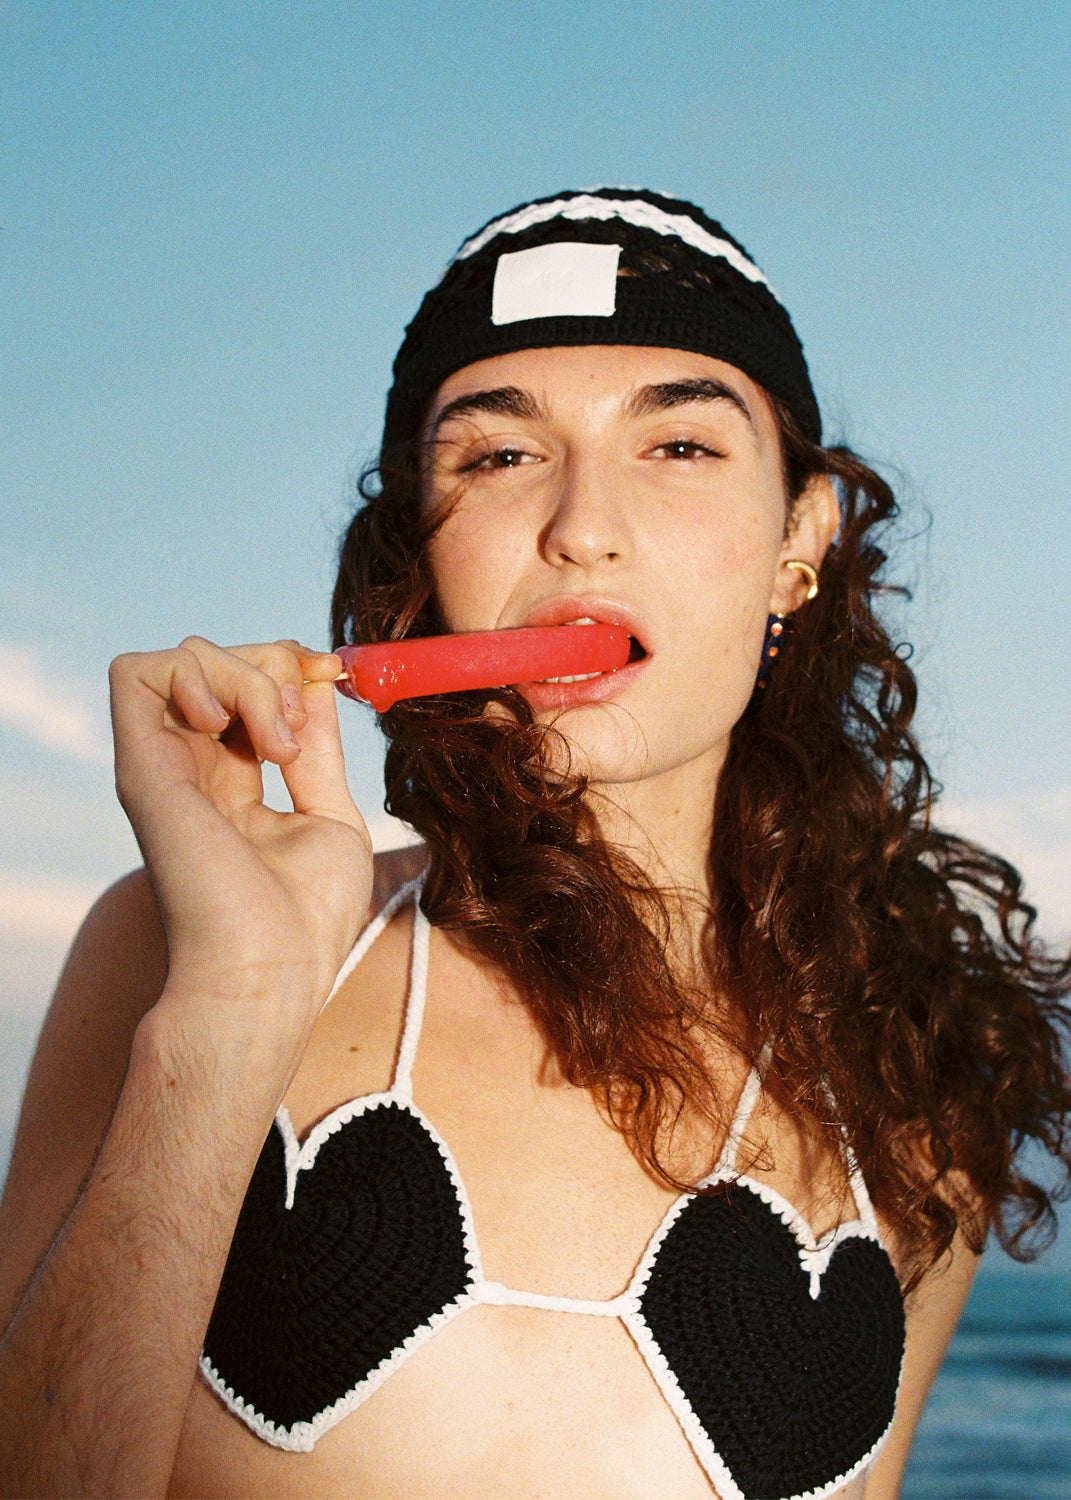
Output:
(551, 281)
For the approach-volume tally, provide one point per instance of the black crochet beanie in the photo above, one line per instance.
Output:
(605, 266)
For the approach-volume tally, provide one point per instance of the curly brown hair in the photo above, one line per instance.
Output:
(875, 960)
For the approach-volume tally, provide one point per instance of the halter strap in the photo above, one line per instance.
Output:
(368, 937)
(745, 1105)
(402, 1082)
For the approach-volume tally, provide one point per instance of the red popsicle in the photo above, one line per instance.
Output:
(384, 673)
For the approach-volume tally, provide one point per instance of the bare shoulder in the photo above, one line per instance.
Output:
(933, 1309)
(114, 973)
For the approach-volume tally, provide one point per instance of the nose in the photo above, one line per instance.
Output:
(588, 526)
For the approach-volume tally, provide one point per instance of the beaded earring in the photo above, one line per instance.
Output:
(771, 648)
(777, 625)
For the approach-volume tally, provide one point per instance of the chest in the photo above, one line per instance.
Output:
(476, 1240)
(558, 1200)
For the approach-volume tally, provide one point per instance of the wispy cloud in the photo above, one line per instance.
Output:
(48, 704)
(1034, 832)
(389, 833)
(42, 908)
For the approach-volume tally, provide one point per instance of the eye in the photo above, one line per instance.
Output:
(498, 458)
(686, 449)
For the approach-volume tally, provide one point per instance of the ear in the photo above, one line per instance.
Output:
(812, 526)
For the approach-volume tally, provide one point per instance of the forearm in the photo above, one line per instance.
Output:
(252, 912)
(96, 1368)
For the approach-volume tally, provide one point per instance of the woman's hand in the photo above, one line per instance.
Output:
(259, 906)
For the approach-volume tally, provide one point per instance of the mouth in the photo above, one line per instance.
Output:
(636, 653)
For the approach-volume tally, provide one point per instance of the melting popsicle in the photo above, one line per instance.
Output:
(385, 672)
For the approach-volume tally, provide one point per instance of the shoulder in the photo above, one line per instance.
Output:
(932, 1311)
(123, 938)
(113, 974)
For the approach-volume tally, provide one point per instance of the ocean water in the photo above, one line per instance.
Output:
(997, 1425)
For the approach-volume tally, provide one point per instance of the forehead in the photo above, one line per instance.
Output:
(608, 373)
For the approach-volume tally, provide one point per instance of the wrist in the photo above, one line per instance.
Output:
(228, 1053)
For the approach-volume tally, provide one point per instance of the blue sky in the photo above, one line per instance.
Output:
(218, 218)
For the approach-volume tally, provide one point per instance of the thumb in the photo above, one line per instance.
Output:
(316, 777)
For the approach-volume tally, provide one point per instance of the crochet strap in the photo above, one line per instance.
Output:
(402, 1084)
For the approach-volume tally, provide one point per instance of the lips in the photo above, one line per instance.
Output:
(577, 609)
(566, 610)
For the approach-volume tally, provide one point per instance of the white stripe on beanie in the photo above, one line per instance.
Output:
(633, 211)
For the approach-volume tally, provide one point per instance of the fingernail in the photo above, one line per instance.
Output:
(292, 699)
(282, 729)
(217, 706)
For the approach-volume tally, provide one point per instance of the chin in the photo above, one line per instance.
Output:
(604, 742)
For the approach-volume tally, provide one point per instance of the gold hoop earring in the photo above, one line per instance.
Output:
(808, 572)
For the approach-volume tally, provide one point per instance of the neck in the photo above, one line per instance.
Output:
(664, 826)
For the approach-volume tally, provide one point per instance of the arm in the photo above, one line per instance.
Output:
(180, 1018)
(933, 1311)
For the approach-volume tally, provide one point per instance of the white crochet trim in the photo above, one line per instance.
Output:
(706, 1454)
(369, 935)
(814, 1258)
(633, 211)
(815, 1254)
(497, 1295)
(744, 1107)
(857, 1182)
(402, 1082)
(302, 1436)
(708, 1457)
(300, 1156)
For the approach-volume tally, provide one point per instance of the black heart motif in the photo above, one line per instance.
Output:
(315, 1297)
(791, 1390)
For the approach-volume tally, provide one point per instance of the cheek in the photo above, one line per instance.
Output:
(736, 556)
(722, 578)
(472, 560)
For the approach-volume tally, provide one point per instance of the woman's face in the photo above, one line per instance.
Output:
(637, 486)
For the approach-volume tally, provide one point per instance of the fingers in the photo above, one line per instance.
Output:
(264, 687)
(151, 682)
(316, 777)
(206, 688)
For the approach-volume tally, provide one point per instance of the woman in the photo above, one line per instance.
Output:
(649, 1138)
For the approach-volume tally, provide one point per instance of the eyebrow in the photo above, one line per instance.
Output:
(502, 401)
(512, 401)
(650, 399)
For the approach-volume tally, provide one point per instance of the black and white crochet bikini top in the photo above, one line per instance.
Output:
(779, 1355)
